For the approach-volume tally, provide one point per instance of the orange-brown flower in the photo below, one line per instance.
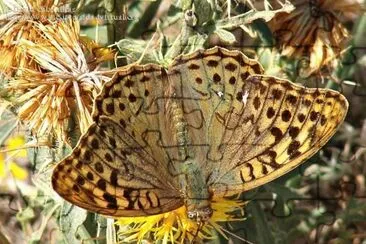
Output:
(19, 23)
(315, 30)
(64, 86)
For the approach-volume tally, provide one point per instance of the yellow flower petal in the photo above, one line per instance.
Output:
(14, 143)
(18, 172)
(175, 226)
(2, 166)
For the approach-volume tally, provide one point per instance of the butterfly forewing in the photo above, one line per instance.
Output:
(119, 166)
(213, 109)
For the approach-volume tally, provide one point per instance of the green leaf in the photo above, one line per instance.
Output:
(252, 15)
(46, 214)
(25, 215)
(262, 228)
(71, 219)
(195, 42)
(203, 8)
(264, 33)
(164, 43)
(173, 16)
(8, 122)
(135, 49)
(146, 11)
(184, 4)
(225, 36)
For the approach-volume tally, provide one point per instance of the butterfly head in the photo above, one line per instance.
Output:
(200, 215)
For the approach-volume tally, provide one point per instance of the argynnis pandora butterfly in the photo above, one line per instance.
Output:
(208, 127)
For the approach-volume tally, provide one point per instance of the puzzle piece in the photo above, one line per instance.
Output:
(321, 196)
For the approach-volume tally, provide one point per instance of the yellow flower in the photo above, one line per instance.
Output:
(8, 160)
(315, 30)
(18, 172)
(97, 52)
(15, 143)
(175, 226)
(2, 166)
(64, 88)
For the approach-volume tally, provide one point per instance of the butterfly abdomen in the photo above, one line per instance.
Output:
(179, 125)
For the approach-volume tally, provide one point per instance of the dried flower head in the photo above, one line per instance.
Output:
(315, 30)
(175, 226)
(19, 22)
(65, 85)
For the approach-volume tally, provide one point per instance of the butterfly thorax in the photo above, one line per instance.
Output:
(192, 181)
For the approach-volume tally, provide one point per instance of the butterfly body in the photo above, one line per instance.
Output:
(179, 128)
(192, 182)
(210, 126)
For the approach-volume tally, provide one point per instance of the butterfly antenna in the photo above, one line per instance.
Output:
(234, 235)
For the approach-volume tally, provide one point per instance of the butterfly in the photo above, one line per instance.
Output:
(209, 126)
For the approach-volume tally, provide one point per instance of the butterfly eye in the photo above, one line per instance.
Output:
(191, 215)
(205, 217)
(207, 211)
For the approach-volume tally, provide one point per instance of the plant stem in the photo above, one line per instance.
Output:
(3, 238)
(116, 11)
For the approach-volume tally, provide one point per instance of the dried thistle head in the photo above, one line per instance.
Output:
(315, 30)
(64, 86)
(18, 22)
